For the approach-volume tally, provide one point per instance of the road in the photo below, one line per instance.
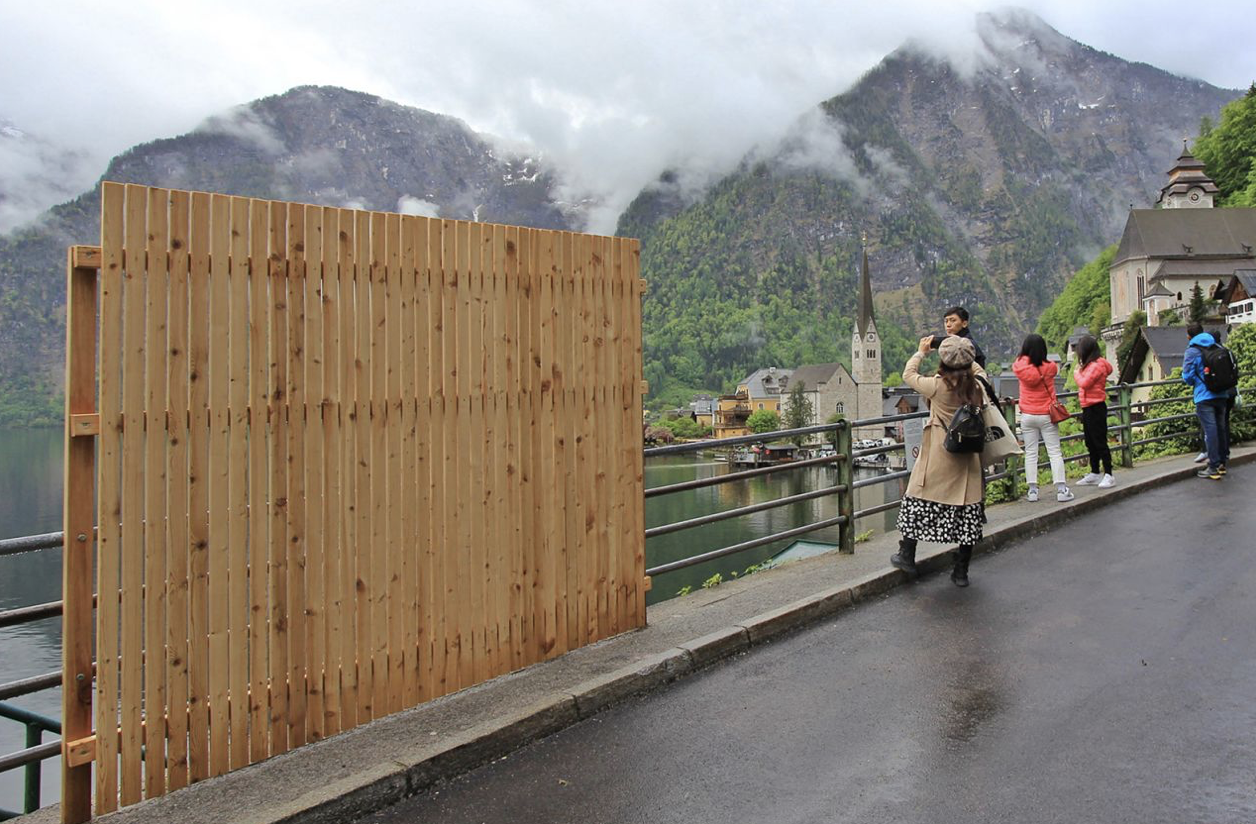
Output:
(1105, 672)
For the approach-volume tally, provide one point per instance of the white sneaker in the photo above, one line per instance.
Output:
(1032, 494)
(1090, 478)
(1063, 494)
(1201, 457)
(1108, 482)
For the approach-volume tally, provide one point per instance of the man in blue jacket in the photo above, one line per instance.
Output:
(1210, 406)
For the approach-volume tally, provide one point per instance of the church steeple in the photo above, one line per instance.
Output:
(865, 318)
(865, 347)
(1189, 186)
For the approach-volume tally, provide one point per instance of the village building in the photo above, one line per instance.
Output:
(1237, 297)
(1166, 252)
(831, 388)
(1156, 352)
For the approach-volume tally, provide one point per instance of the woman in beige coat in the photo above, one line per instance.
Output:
(944, 497)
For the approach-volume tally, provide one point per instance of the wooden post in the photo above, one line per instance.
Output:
(846, 480)
(1125, 416)
(79, 517)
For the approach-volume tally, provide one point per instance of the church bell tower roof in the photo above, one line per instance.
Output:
(865, 317)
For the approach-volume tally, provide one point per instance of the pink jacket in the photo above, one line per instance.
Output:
(1037, 385)
(1091, 381)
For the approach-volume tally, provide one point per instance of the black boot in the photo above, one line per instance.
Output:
(959, 575)
(905, 558)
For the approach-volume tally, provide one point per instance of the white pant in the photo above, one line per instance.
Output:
(1035, 428)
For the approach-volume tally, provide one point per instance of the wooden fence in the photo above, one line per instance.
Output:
(346, 462)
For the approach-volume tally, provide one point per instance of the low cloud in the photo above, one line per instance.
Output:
(407, 205)
(244, 124)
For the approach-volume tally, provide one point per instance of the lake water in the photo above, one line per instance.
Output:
(30, 503)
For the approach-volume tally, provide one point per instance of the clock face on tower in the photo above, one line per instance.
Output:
(1194, 197)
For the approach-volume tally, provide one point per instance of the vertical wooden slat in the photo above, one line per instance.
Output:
(237, 485)
(553, 489)
(109, 550)
(633, 258)
(278, 480)
(315, 475)
(378, 360)
(259, 491)
(447, 545)
(465, 594)
(157, 285)
(362, 545)
(298, 655)
(219, 477)
(410, 544)
(501, 536)
(518, 539)
(78, 515)
(609, 430)
(599, 428)
(133, 496)
(395, 542)
(579, 413)
(177, 630)
(334, 546)
(347, 307)
(471, 452)
(198, 491)
(423, 451)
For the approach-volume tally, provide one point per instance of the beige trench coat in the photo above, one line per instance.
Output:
(941, 476)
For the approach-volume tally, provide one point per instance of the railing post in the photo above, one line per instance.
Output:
(1012, 465)
(846, 479)
(1124, 394)
(81, 426)
(30, 800)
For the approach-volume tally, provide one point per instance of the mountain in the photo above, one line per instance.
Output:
(984, 181)
(319, 145)
(34, 172)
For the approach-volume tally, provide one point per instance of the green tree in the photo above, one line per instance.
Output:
(1198, 307)
(1083, 302)
(1129, 333)
(763, 420)
(1228, 150)
(799, 412)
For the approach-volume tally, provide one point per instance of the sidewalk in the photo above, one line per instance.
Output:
(373, 766)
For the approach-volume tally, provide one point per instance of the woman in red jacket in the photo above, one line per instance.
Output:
(1037, 390)
(1091, 377)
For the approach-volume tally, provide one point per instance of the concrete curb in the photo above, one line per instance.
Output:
(358, 792)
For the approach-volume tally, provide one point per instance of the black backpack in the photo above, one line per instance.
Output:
(967, 430)
(1221, 370)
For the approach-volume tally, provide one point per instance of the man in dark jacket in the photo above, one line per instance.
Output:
(955, 321)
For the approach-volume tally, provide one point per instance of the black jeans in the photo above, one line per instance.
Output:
(1095, 431)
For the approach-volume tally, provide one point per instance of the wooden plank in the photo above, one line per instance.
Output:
(87, 424)
(198, 490)
(363, 461)
(468, 594)
(432, 433)
(378, 360)
(333, 547)
(109, 536)
(177, 483)
(553, 484)
(521, 575)
(259, 500)
(395, 542)
(448, 545)
(601, 429)
(423, 452)
(315, 476)
(566, 321)
(535, 493)
(471, 458)
(78, 514)
(409, 543)
(298, 654)
(501, 535)
(156, 348)
(277, 391)
(625, 432)
(237, 484)
(219, 478)
(132, 623)
(78, 753)
(582, 408)
(348, 366)
(632, 258)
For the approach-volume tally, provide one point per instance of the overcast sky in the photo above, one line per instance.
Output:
(612, 92)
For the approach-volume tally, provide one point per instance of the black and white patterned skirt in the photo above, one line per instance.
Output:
(939, 523)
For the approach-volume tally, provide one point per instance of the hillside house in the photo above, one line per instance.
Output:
(1157, 352)
(1237, 297)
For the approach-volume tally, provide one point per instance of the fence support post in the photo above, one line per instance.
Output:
(846, 479)
(1012, 465)
(79, 520)
(31, 775)
(1127, 430)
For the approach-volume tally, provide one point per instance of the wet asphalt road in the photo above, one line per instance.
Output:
(1105, 672)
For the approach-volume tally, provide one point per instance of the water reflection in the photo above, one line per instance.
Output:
(30, 503)
(681, 506)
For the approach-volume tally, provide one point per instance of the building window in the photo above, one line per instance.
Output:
(760, 406)
(1141, 287)
(872, 353)
(841, 408)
